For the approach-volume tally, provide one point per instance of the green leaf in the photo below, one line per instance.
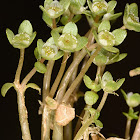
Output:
(98, 123)
(89, 4)
(37, 54)
(34, 86)
(10, 35)
(107, 77)
(64, 19)
(70, 28)
(82, 42)
(55, 36)
(110, 87)
(65, 4)
(133, 9)
(105, 25)
(124, 94)
(76, 18)
(126, 14)
(88, 82)
(40, 44)
(131, 25)
(41, 68)
(5, 88)
(120, 35)
(58, 55)
(46, 18)
(111, 49)
(32, 37)
(111, 6)
(95, 35)
(119, 83)
(110, 16)
(91, 97)
(26, 27)
(122, 56)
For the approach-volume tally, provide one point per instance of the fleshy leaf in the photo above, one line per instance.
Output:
(40, 44)
(82, 41)
(122, 56)
(98, 123)
(111, 6)
(55, 36)
(91, 97)
(34, 86)
(110, 16)
(5, 88)
(76, 18)
(46, 18)
(41, 68)
(70, 28)
(107, 77)
(65, 4)
(58, 55)
(105, 25)
(88, 82)
(124, 94)
(133, 9)
(119, 83)
(26, 27)
(10, 35)
(64, 19)
(112, 49)
(36, 53)
(32, 37)
(120, 35)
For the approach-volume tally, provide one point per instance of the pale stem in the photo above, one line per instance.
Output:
(45, 129)
(23, 116)
(67, 76)
(20, 64)
(57, 132)
(47, 79)
(127, 130)
(30, 75)
(102, 102)
(59, 75)
(68, 131)
(80, 76)
(46, 88)
(136, 134)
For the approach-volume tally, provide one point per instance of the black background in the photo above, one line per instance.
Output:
(12, 13)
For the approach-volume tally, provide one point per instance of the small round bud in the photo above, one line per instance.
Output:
(106, 39)
(133, 100)
(91, 97)
(21, 40)
(99, 8)
(48, 50)
(67, 42)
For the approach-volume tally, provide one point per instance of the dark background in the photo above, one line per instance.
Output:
(12, 13)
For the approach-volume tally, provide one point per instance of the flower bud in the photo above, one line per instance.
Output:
(91, 97)
(133, 100)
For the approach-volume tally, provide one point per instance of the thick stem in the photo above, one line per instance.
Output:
(20, 64)
(23, 117)
(59, 75)
(136, 134)
(47, 79)
(45, 128)
(127, 130)
(68, 131)
(67, 76)
(57, 132)
(80, 76)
